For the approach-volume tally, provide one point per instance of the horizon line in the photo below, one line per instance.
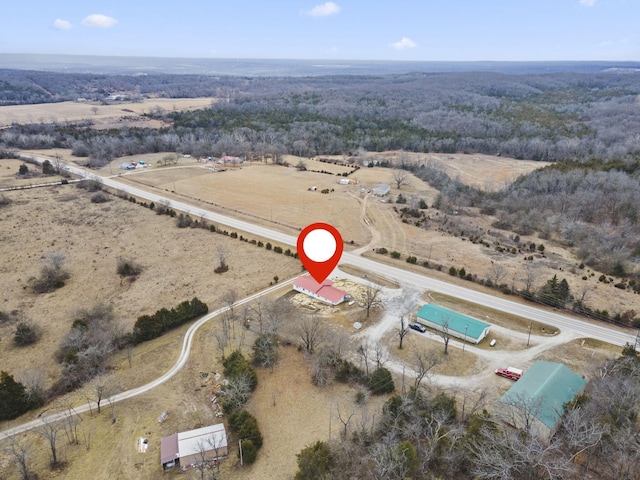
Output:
(311, 59)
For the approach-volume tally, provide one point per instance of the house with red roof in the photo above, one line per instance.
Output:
(228, 159)
(325, 291)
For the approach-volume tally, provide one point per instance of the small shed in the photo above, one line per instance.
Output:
(536, 401)
(458, 325)
(381, 189)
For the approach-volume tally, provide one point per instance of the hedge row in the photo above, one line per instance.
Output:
(148, 327)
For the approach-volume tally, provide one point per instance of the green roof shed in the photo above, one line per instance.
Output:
(544, 389)
(459, 325)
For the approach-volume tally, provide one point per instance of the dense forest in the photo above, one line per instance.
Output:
(588, 124)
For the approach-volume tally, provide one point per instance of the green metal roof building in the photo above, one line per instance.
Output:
(459, 325)
(541, 394)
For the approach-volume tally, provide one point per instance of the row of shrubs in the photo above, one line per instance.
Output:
(148, 327)
(238, 369)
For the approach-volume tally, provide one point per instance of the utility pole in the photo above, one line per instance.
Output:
(330, 408)
(529, 336)
(464, 344)
(403, 368)
(240, 445)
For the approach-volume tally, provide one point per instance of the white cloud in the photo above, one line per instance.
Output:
(403, 44)
(324, 10)
(587, 3)
(62, 24)
(99, 20)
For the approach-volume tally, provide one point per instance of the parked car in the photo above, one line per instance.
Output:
(418, 327)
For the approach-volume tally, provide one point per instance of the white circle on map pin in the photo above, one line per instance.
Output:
(319, 245)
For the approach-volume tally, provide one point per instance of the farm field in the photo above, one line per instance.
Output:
(104, 116)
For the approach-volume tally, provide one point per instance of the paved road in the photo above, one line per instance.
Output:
(606, 333)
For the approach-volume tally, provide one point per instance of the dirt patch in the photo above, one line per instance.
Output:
(455, 363)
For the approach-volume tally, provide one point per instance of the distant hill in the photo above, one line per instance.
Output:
(283, 67)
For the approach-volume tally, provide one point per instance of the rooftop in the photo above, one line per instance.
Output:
(324, 289)
(210, 437)
(458, 322)
(545, 388)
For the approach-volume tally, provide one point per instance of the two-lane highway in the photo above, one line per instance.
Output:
(610, 334)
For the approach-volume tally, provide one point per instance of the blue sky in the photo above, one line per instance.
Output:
(420, 30)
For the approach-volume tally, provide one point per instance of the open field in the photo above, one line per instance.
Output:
(103, 116)
(279, 197)
(93, 237)
(178, 264)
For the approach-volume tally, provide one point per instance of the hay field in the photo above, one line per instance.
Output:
(268, 194)
(104, 115)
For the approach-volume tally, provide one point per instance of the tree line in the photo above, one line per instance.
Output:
(553, 117)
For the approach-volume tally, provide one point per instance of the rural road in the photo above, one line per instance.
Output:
(609, 334)
(606, 333)
(182, 359)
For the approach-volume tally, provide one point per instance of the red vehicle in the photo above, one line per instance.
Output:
(510, 373)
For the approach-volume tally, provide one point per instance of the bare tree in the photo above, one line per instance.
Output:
(222, 341)
(70, 425)
(344, 418)
(270, 314)
(222, 253)
(237, 392)
(372, 298)
(230, 297)
(50, 430)
(523, 411)
(498, 271)
(472, 402)
(402, 331)
(509, 453)
(310, 332)
(33, 381)
(423, 363)
(102, 388)
(381, 354)
(266, 350)
(445, 333)
(389, 461)
(322, 366)
(363, 353)
(21, 450)
(583, 290)
(200, 466)
(400, 177)
(57, 163)
(531, 275)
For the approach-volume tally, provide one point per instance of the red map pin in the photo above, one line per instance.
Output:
(320, 248)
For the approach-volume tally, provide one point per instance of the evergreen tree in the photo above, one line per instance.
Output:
(13, 397)
(314, 462)
(555, 293)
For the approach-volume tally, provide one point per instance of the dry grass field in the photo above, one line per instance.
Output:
(104, 116)
(178, 264)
